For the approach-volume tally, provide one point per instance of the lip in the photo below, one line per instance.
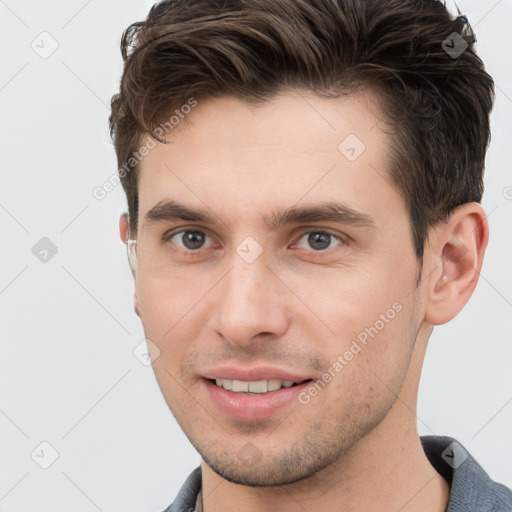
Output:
(254, 374)
(245, 406)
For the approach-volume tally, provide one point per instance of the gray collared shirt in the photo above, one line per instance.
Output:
(471, 489)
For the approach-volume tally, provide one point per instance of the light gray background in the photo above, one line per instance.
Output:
(68, 375)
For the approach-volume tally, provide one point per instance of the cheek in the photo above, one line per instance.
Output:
(166, 304)
(364, 316)
(169, 316)
(368, 366)
(347, 300)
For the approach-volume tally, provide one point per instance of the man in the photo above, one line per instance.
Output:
(304, 182)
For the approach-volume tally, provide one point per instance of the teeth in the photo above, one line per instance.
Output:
(273, 384)
(240, 386)
(258, 387)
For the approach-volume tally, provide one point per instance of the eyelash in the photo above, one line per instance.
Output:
(169, 236)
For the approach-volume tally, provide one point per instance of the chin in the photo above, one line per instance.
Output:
(249, 466)
(258, 477)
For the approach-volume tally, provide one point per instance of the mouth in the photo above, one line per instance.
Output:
(258, 387)
(252, 400)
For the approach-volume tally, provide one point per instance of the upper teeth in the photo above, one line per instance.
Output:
(260, 386)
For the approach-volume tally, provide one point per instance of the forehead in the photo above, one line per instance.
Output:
(231, 156)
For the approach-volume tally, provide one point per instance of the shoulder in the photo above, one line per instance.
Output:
(186, 499)
(471, 488)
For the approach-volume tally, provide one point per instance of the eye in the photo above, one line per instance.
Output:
(318, 240)
(189, 240)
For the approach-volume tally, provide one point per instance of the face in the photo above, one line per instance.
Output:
(272, 249)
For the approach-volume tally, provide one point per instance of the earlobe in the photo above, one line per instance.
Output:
(460, 246)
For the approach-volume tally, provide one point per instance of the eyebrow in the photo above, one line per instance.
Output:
(327, 212)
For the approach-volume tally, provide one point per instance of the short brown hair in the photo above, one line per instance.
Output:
(436, 104)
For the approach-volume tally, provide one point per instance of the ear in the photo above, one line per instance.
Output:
(457, 250)
(124, 233)
(124, 227)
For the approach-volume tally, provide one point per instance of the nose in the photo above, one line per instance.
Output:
(251, 304)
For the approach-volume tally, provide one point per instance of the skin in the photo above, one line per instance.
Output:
(355, 445)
